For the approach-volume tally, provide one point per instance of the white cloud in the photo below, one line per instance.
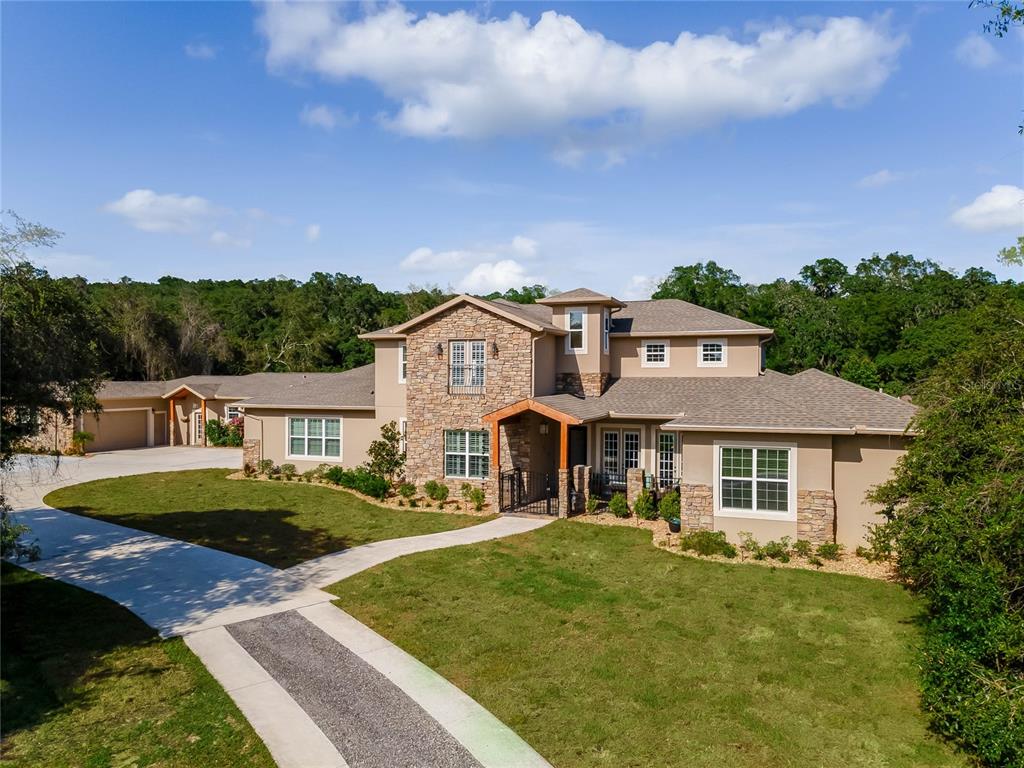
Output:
(222, 238)
(496, 276)
(324, 116)
(524, 246)
(462, 75)
(976, 52)
(881, 178)
(1002, 207)
(640, 287)
(152, 212)
(312, 233)
(200, 51)
(425, 259)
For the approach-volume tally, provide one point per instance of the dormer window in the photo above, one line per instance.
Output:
(711, 353)
(403, 363)
(576, 324)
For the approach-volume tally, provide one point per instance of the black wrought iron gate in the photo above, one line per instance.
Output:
(524, 491)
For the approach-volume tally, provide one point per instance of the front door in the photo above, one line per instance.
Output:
(577, 446)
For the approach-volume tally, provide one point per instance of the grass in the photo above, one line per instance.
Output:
(87, 683)
(280, 524)
(601, 650)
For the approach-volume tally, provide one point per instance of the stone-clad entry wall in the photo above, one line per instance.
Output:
(430, 410)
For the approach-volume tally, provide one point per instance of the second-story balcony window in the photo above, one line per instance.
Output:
(467, 364)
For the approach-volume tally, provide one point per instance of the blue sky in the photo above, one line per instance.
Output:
(481, 146)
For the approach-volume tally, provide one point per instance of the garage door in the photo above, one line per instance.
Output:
(115, 430)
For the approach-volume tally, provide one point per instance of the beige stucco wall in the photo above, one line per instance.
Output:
(389, 393)
(184, 407)
(861, 462)
(545, 357)
(270, 426)
(116, 430)
(743, 357)
(594, 360)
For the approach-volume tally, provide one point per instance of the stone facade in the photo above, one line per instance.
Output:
(54, 435)
(816, 516)
(582, 384)
(634, 484)
(252, 452)
(696, 507)
(431, 409)
(581, 482)
(563, 492)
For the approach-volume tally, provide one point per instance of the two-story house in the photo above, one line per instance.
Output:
(583, 393)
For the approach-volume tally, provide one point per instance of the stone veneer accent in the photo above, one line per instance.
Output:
(252, 452)
(563, 493)
(816, 516)
(634, 484)
(55, 433)
(581, 482)
(582, 384)
(430, 410)
(696, 507)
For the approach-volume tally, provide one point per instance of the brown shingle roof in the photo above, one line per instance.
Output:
(674, 316)
(581, 296)
(772, 402)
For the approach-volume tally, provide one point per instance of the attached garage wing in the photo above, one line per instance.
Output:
(114, 430)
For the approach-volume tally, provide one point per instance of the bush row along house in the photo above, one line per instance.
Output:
(544, 401)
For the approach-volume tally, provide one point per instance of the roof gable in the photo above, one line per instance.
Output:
(505, 310)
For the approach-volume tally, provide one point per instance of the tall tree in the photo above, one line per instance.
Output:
(708, 285)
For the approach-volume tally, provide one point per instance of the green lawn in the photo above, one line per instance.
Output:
(601, 650)
(280, 524)
(87, 683)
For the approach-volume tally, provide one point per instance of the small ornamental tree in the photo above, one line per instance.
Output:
(955, 526)
(386, 456)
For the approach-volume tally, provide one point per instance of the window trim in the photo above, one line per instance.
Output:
(643, 353)
(468, 366)
(621, 429)
(339, 459)
(446, 453)
(403, 439)
(700, 353)
(755, 514)
(403, 362)
(606, 330)
(569, 350)
(227, 412)
(677, 457)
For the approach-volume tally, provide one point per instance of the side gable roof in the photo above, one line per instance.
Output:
(674, 317)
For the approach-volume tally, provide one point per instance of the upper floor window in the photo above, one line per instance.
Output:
(403, 363)
(711, 353)
(607, 331)
(654, 354)
(467, 363)
(576, 324)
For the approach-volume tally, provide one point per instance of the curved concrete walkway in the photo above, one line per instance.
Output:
(309, 678)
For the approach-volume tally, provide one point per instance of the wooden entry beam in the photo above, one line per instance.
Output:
(563, 446)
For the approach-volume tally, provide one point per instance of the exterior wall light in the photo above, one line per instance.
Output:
(439, 349)
(494, 348)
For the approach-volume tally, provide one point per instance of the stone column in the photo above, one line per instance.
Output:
(696, 507)
(816, 516)
(563, 493)
(634, 484)
(251, 453)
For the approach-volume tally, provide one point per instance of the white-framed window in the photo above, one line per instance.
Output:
(467, 364)
(654, 353)
(667, 472)
(620, 451)
(232, 412)
(403, 429)
(403, 363)
(755, 480)
(316, 437)
(198, 424)
(467, 453)
(606, 331)
(712, 353)
(576, 324)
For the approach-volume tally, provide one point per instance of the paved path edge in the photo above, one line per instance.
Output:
(489, 740)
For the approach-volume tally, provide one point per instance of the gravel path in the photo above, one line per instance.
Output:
(369, 719)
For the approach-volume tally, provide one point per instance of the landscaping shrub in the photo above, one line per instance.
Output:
(954, 512)
(644, 507)
(803, 547)
(477, 498)
(288, 470)
(78, 441)
(407, 490)
(829, 551)
(221, 433)
(266, 465)
(359, 479)
(309, 475)
(592, 504)
(436, 491)
(668, 506)
(707, 543)
(386, 457)
(618, 505)
(465, 490)
(749, 545)
(777, 550)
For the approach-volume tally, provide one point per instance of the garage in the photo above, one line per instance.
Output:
(114, 430)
